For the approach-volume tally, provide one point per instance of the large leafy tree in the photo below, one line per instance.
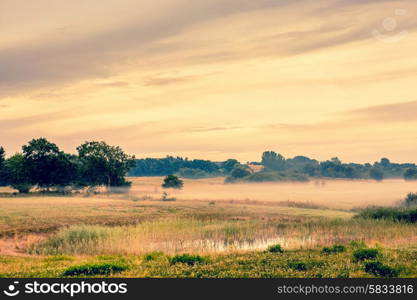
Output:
(47, 165)
(102, 164)
(17, 175)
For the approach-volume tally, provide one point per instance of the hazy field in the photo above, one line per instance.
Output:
(338, 194)
(231, 224)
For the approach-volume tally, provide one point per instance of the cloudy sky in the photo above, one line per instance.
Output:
(212, 78)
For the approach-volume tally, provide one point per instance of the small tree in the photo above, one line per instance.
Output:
(172, 181)
(17, 175)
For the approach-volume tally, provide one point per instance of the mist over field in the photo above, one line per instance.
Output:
(331, 193)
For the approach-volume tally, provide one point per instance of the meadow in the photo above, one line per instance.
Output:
(226, 230)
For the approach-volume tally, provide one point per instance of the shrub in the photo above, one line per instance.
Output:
(333, 249)
(275, 249)
(300, 265)
(411, 199)
(153, 256)
(379, 269)
(188, 259)
(408, 215)
(95, 269)
(364, 254)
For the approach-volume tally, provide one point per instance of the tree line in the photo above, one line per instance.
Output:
(43, 165)
(274, 167)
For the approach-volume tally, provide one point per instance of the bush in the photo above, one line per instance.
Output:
(364, 254)
(188, 259)
(274, 176)
(153, 256)
(357, 244)
(333, 249)
(408, 215)
(300, 265)
(95, 269)
(23, 188)
(411, 199)
(172, 181)
(275, 249)
(378, 269)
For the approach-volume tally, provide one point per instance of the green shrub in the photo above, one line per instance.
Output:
(153, 256)
(379, 269)
(188, 259)
(95, 269)
(408, 215)
(333, 249)
(275, 249)
(172, 181)
(364, 254)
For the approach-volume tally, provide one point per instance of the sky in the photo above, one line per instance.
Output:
(212, 79)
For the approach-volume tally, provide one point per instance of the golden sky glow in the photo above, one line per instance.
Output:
(212, 78)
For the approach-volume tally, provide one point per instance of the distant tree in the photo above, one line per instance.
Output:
(273, 161)
(385, 162)
(410, 174)
(229, 165)
(3, 172)
(336, 160)
(46, 165)
(172, 181)
(376, 174)
(17, 175)
(102, 164)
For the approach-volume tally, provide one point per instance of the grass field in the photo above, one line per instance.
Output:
(138, 235)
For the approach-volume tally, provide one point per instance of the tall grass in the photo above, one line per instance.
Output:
(209, 236)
